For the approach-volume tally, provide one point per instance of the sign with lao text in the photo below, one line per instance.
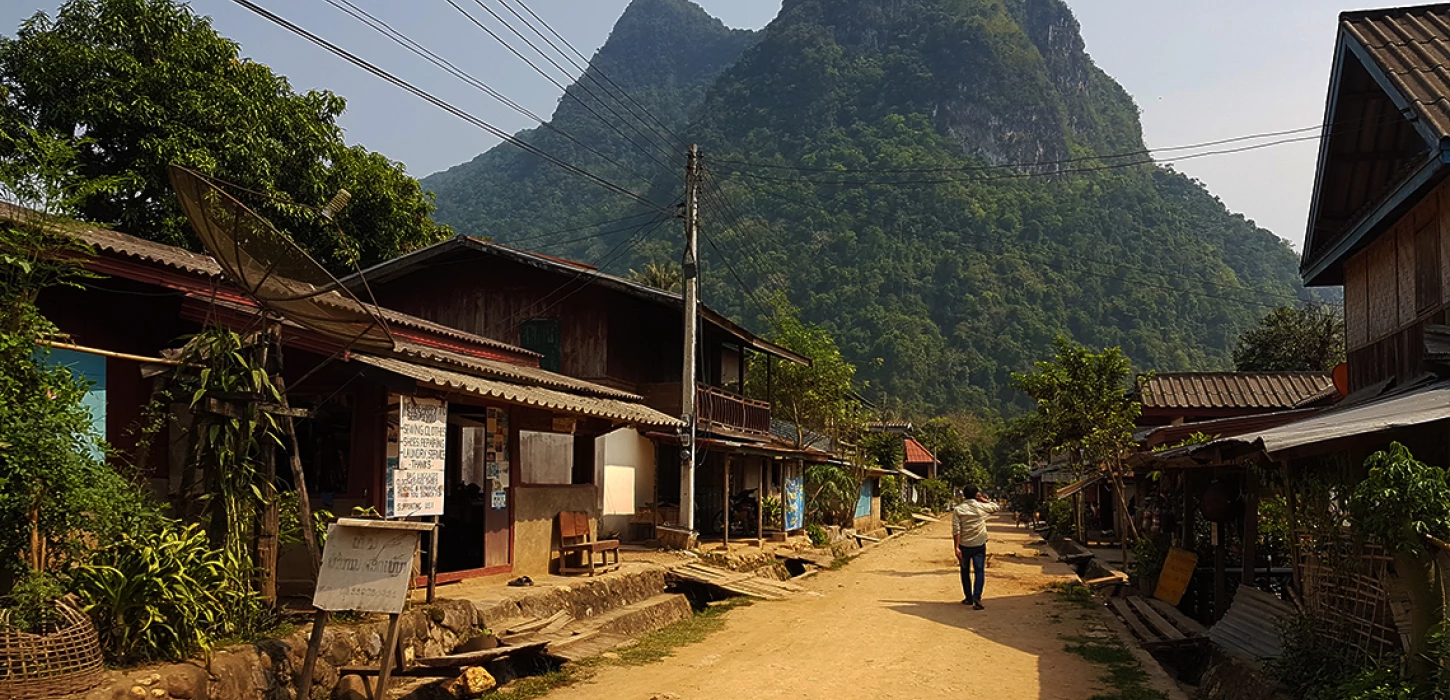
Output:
(416, 459)
(366, 565)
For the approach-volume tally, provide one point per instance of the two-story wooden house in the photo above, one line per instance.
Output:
(619, 333)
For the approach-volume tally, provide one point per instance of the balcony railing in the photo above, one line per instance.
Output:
(717, 409)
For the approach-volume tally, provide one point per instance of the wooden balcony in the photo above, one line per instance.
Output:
(716, 409)
(723, 411)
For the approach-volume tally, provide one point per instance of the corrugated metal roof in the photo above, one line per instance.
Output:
(182, 260)
(1250, 628)
(1235, 390)
(1078, 485)
(510, 372)
(1412, 46)
(916, 453)
(614, 409)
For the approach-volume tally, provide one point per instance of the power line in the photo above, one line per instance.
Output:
(398, 37)
(530, 63)
(1029, 164)
(550, 234)
(585, 72)
(438, 102)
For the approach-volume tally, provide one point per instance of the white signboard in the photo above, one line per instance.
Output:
(366, 565)
(415, 470)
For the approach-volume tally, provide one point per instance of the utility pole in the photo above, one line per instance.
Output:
(690, 281)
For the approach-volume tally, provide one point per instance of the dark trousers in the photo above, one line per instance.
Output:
(973, 559)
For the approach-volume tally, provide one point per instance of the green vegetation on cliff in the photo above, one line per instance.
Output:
(856, 151)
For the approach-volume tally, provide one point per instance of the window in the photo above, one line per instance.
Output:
(555, 459)
(542, 336)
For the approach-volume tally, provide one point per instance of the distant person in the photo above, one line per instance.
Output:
(969, 536)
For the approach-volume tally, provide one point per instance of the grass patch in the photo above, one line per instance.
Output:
(1125, 677)
(655, 646)
(1075, 593)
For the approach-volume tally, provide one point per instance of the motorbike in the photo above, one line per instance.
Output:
(744, 514)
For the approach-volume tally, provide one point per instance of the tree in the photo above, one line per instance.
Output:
(817, 397)
(955, 462)
(1404, 504)
(1307, 338)
(134, 85)
(1083, 407)
(660, 275)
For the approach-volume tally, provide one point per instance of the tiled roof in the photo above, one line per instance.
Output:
(916, 453)
(1412, 46)
(1230, 390)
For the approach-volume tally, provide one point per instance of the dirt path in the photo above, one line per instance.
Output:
(888, 625)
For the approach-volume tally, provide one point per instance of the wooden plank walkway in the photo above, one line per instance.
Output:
(736, 582)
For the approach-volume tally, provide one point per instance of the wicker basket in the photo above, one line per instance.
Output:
(64, 660)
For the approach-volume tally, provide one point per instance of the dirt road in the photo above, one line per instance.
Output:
(888, 625)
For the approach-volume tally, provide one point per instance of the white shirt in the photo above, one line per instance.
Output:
(969, 522)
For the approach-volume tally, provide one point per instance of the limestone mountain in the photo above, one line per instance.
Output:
(945, 184)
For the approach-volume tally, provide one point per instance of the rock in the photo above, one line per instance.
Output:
(473, 682)
(186, 682)
(158, 692)
(351, 687)
(664, 696)
(137, 692)
(339, 652)
(375, 645)
(147, 681)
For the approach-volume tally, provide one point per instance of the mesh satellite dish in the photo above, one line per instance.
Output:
(272, 269)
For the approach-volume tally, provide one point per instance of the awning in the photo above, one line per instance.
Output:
(910, 475)
(1079, 485)
(613, 409)
(1418, 407)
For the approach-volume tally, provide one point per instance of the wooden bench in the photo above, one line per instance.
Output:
(575, 539)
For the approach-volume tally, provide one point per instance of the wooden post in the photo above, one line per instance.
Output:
(385, 664)
(1185, 526)
(726, 534)
(269, 528)
(299, 482)
(1290, 498)
(760, 507)
(433, 561)
(1220, 573)
(309, 663)
(1251, 525)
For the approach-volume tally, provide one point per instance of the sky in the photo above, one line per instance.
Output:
(1199, 72)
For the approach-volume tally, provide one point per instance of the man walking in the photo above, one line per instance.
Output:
(969, 536)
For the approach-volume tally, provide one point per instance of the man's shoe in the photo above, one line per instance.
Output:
(977, 605)
(967, 601)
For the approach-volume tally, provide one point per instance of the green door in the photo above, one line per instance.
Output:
(542, 336)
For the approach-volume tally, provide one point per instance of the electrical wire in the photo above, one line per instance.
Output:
(588, 71)
(567, 93)
(442, 104)
(398, 37)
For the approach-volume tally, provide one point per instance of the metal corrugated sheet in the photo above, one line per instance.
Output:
(1250, 628)
(526, 395)
(1234, 390)
(1079, 485)
(1412, 46)
(510, 372)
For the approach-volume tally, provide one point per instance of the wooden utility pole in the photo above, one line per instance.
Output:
(690, 283)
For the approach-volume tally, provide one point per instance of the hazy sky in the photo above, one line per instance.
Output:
(1199, 71)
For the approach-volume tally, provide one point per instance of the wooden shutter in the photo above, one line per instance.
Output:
(542, 336)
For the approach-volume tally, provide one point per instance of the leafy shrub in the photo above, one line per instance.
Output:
(1060, 518)
(893, 506)
(936, 494)
(289, 530)
(166, 595)
(773, 511)
(31, 604)
(1147, 561)
(819, 536)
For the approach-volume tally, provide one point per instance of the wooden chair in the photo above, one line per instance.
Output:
(575, 538)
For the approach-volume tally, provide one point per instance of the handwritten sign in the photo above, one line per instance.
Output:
(1177, 573)
(415, 471)
(366, 565)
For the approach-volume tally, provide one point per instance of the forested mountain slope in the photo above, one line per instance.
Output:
(933, 180)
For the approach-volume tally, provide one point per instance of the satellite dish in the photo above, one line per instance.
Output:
(272, 269)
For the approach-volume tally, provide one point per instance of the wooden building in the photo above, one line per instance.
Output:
(518, 436)
(614, 332)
